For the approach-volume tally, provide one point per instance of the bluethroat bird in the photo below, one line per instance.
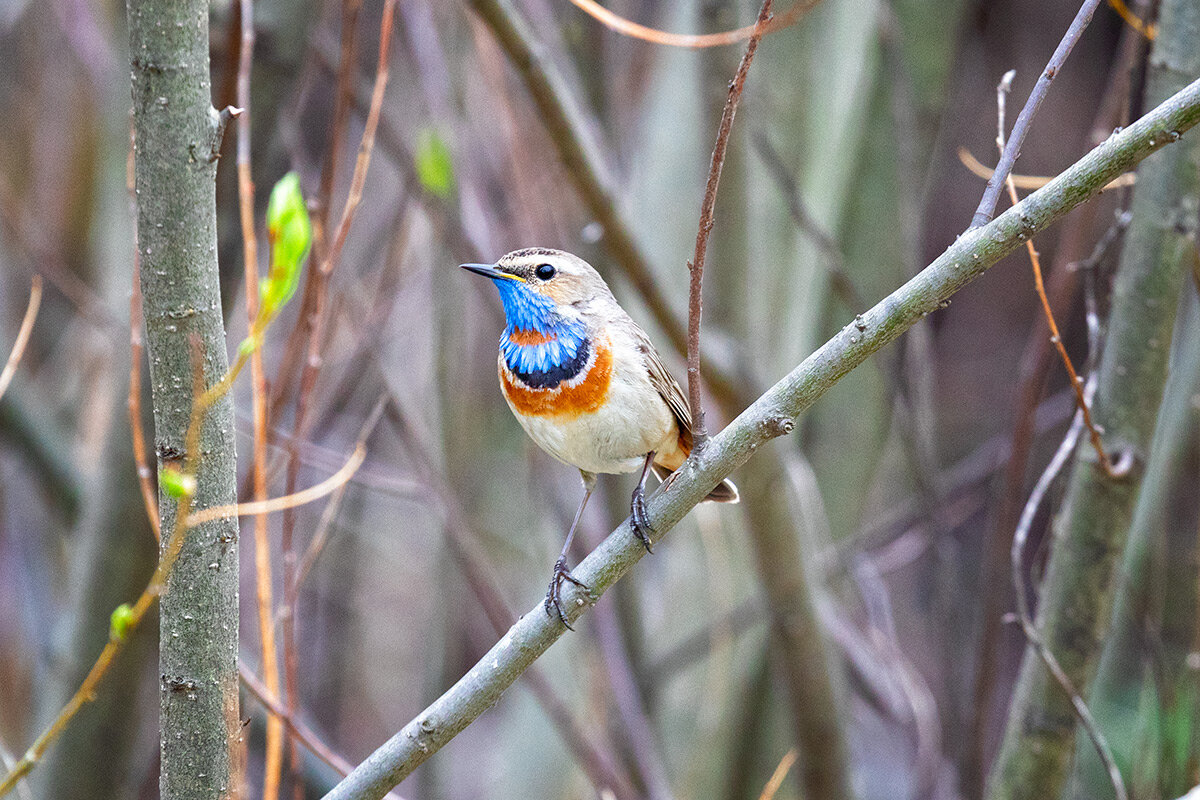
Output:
(586, 384)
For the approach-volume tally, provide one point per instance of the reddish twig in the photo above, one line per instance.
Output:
(367, 143)
(273, 766)
(627, 27)
(319, 282)
(696, 266)
(1035, 360)
(299, 731)
(314, 282)
(1008, 157)
(137, 430)
(1106, 463)
(18, 350)
(311, 311)
(776, 779)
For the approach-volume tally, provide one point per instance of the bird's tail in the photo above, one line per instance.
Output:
(725, 491)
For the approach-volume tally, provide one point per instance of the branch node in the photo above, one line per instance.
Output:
(1123, 464)
(221, 121)
(778, 425)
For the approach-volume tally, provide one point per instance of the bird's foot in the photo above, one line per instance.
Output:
(553, 602)
(638, 519)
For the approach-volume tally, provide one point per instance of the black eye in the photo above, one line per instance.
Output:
(544, 272)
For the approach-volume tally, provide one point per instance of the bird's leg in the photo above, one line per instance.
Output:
(637, 516)
(561, 573)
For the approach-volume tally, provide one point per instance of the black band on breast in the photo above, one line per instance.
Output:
(552, 377)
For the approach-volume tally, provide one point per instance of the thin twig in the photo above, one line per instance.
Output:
(1034, 366)
(1032, 634)
(330, 511)
(18, 349)
(978, 168)
(367, 143)
(991, 195)
(205, 399)
(261, 507)
(305, 735)
(594, 761)
(273, 758)
(319, 283)
(696, 266)
(9, 762)
(299, 731)
(776, 779)
(1133, 20)
(965, 259)
(1106, 463)
(137, 428)
(627, 27)
(839, 279)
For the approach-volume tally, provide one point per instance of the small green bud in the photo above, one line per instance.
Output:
(434, 164)
(120, 622)
(175, 483)
(290, 234)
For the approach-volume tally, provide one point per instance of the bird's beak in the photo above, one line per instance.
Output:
(491, 271)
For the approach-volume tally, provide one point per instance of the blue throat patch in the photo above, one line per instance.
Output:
(546, 364)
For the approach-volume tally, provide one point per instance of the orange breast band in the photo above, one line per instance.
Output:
(523, 337)
(568, 399)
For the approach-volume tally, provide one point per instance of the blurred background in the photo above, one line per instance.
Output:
(897, 494)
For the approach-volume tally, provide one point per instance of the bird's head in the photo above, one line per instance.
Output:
(540, 286)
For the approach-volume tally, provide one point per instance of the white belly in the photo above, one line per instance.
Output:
(615, 437)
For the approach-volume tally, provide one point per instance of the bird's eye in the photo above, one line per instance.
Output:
(544, 272)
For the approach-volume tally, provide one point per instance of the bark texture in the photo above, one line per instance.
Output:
(177, 137)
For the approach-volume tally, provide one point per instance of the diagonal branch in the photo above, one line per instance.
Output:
(18, 350)
(771, 415)
(991, 195)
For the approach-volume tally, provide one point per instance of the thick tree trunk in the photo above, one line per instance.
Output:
(177, 136)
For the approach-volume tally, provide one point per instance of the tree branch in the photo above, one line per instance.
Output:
(991, 195)
(696, 267)
(772, 415)
(1090, 532)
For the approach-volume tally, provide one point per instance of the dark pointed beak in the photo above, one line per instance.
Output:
(489, 271)
(486, 270)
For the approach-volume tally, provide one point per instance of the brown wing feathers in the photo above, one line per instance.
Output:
(668, 387)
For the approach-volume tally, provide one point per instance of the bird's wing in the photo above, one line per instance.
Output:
(669, 388)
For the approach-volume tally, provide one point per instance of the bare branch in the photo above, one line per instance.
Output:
(627, 27)
(991, 195)
(966, 259)
(18, 349)
(696, 266)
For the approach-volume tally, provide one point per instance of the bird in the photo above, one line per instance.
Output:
(587, 385)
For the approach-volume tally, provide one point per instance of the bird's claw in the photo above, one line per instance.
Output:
(553, 602)
(639, 520)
